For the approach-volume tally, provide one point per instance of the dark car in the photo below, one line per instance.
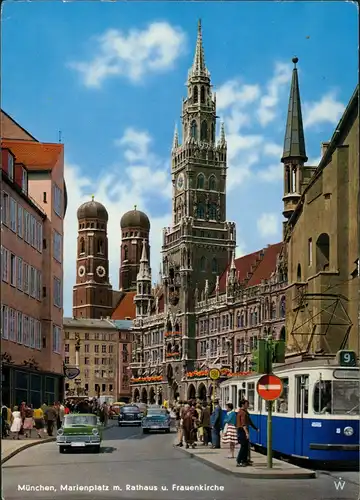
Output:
(130, 415)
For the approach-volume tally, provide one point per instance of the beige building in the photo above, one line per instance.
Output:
(321, 206)
(92, 346)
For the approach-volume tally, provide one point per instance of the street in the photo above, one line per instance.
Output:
(132, 465)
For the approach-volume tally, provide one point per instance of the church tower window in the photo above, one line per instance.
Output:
(200, 182)
(203, 264)
(100, 246)
(196, 95)
(201, 211)
(126, 253)
(202, 95)
(193, 129)
(212, 212)
(212, 183)
(204, 131)
(82, 245)
(213, 132)
(214, 266)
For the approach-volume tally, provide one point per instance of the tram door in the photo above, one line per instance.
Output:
(301, 411)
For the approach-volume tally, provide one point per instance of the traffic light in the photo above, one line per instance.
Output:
(347, 358)
(259, 361)
(279, 352)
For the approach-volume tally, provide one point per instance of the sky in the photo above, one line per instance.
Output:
(111, 78)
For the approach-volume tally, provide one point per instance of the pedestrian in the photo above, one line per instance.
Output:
(17, 423)
(230, 433)
(38, 416)
(179, 423)
(205, 423)
(4, 417)
(61, 414)
(243, 422)
(200, 430)
(215, 421)
(51, 418)
(188, 426)
(28, 424)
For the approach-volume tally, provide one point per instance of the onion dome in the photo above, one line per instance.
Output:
(135, 218)
(92, 210)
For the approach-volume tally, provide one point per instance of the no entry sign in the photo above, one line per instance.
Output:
(269, 387)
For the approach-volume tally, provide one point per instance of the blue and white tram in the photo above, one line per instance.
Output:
(316, 418)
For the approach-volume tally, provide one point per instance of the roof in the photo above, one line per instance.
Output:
(103, 324)
(34, 155)
(294, 143)
(92, 210)
(255, 267)
(125, 307)
(6, 133)
(135, 218)
(123, 324)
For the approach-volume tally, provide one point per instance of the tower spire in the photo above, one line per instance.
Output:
(199, 67)
(176, 138)
(294, 143)
(222, 141)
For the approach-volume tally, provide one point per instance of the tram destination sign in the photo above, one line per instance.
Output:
(269, 387)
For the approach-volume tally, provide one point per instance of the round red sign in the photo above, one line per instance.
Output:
(269, 387)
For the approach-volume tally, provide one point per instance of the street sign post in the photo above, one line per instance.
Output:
(269, 388)
(214, 375)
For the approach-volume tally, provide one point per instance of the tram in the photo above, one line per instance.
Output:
(316, 418)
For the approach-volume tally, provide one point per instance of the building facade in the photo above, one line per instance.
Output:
(124, 356)
(32, 269)
(321, 206)
(92, 346)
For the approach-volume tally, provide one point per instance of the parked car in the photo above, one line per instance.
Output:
(156, 419)
(79, 430)
(129, 415)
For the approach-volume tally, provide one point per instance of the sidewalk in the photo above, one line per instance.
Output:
(217, 459)
(11, 447)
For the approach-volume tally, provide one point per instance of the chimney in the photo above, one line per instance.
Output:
(324, 147)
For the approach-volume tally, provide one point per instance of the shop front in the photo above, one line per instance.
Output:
(32, 386)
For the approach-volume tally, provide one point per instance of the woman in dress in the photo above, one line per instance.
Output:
(230, 432)
(38, 417)
(16, 425)
(28, 421)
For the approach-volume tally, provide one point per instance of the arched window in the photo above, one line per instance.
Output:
(169, 348)
(202, 95)
(82, 245)
(282, 307)
(212, 212)
(212, 132)
(196, 95)
(200, 181)
(126, 252)
(193, 130)
(100, 246)
(322, 252)
(202, 263)
(200, 212)
(212, 183)
(204, 131)
(214, 266)
(272, 310)
(169, 326)
(238, 322)
(255, 317)
(298, 272)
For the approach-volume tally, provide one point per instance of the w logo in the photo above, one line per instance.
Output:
(339, 484)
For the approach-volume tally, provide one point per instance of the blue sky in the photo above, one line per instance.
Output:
(111, 77)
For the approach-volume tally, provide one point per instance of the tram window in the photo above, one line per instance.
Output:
(283, 402)
(322, 397)
(241, 396)
(260, 404)
(251, 395)
(302, 394)
(345, 397)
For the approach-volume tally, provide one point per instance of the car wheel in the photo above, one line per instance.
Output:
(145, 431)
(61, 449)
(97, 449)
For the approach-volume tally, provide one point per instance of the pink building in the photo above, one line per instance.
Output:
(33, 203)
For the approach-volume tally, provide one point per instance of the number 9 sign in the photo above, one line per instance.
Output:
(347, 358)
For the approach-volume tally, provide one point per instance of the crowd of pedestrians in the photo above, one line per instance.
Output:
(21, 421)
(201, 422)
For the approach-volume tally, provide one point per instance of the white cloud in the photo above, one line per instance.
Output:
(327, 110)
(272, 149)
(233, 92)
(118, 193)
(273, 173)
(268, 225)
(134, 54)
(266, 112)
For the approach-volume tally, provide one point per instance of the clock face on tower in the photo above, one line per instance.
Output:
(100, 271)
(81, 271)
(180, 182)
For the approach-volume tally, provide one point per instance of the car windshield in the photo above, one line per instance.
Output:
(157, 412)
(130, 409)
(74, 420)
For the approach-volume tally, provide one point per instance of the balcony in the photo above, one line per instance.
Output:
(172, 355)
(172, 334)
